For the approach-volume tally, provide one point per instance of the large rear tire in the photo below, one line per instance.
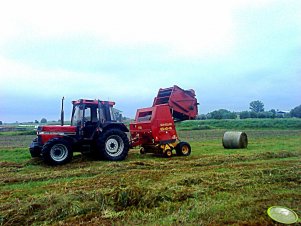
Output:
(113, 145)
(57, 151)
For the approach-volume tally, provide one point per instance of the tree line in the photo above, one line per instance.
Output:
(256, 110)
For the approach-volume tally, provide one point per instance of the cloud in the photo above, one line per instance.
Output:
(187, 28)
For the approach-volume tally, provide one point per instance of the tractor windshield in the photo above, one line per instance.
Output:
(94, 113)
(87, 113)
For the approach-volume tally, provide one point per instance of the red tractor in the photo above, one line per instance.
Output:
(154, 129)
(94, 130)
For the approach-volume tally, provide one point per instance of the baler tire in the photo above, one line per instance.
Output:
(168, 153)
(142, 151)
(113, 145)
(183, 149)
(57, 151)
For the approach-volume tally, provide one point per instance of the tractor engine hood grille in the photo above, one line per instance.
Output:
(60, 130)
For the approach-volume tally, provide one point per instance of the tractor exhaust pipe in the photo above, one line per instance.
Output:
(62, 112)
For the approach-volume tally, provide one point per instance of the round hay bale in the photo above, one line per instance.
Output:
(232, 140)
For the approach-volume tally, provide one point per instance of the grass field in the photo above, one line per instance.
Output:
(212, 186)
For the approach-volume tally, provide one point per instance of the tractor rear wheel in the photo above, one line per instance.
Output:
(113, 145)
(57, 151)
(183, 149)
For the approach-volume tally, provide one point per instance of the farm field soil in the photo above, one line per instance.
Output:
(213, 186)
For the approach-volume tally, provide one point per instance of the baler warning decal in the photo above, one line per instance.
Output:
(165, 128)
(166, 124)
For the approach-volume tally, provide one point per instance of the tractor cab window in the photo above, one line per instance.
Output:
(101, 114)
(87, 115)
(114, 114)
(80, 111)
(77, 115)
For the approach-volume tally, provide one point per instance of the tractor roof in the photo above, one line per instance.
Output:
(92, 102)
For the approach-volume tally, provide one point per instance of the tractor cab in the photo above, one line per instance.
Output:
(89, 115)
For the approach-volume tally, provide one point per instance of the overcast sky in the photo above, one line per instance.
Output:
(229, 52)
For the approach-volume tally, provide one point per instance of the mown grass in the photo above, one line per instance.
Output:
(213, 186)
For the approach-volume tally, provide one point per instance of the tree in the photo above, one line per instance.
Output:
(36, 121)
(257, 106)
(1, 122)
(43, 120)
(296, 112)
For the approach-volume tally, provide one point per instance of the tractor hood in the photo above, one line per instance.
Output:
(57, 130)
(45, 133)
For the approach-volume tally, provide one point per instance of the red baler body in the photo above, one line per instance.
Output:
(153, 125)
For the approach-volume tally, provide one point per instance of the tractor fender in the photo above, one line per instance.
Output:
(71, 140)
(119, 126)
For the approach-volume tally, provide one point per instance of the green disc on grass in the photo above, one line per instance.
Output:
(282, 215)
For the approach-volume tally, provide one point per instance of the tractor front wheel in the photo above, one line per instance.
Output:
(57, 151)
(183, 149)
(113, 145)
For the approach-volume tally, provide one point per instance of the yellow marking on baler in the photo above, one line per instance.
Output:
(165, 128)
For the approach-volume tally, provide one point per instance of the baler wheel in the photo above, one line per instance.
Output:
(183, 149)
(142, 151)
(168, 153)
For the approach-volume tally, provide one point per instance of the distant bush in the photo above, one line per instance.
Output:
(253, 114)
(202, 117)
(222, 114)
(264, 114)
(43, 120)
(244, 115)
(296, 112)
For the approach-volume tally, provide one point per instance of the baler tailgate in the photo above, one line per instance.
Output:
(182, 102)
